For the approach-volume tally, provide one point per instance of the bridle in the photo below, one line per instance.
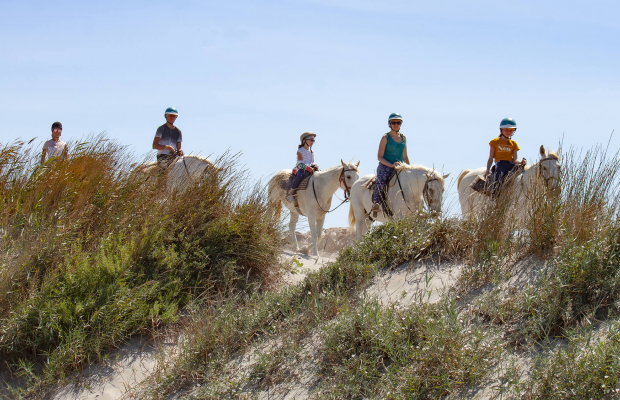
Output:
(341, 180)
(427, 197)
(425, 194)
(540, 171)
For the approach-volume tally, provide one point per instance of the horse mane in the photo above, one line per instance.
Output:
(550, 154)
(349, 165)
(199, 158)
(553, 155)
(431, 172)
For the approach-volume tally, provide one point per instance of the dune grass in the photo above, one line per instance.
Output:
(92, 253)
(366, 350)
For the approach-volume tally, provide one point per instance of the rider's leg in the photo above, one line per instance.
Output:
(296, 181)
(380, 193)
(502, 168)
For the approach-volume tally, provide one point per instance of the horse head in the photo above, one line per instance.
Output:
(433, 190)
(350, 173)
(549, 168)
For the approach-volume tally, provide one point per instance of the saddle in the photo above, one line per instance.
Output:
(385, 204)
(372, 182)
(286, 184)
(488, 186)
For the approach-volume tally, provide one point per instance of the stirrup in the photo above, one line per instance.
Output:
(376, 208)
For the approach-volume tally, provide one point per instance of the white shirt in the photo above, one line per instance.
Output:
(54, 148)
(307, 157)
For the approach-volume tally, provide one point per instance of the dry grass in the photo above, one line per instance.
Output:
(92, 254)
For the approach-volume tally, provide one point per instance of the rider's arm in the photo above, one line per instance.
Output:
(382, 160)
(158, 146)
(299, 156)
(43, 155)
(405, 156)
(179, 149)
(490, 161)
(514, 158)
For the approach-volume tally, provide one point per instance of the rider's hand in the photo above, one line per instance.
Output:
(486, 173)
(180, 152)
(524, 161)
(397, 163)
(171, 148)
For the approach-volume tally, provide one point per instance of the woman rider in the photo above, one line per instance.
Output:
(504, 152)
(392, 153)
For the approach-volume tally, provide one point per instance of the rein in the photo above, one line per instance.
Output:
(540, 171)
(540, 175)
(186, 170)
(347, 191)
(424, 191)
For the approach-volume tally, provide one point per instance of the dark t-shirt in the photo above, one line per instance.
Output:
(168, 137)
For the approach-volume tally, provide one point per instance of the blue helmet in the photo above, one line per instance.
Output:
(508, 123)
(171, 110)
(395, 116)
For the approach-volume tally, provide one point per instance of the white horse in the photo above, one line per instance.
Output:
(547, 171)
(409, 189)
(182, 170)
(315, 201)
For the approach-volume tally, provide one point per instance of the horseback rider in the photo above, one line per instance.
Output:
(55, 147)
(304, 166)
(392, 153)
(168, 140)
(504, 152)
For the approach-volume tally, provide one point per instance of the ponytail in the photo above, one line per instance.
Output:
(303, 144)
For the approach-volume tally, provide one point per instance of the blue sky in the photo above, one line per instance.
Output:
(252, 76)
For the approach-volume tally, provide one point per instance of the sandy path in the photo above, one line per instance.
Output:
(408, 283)
(133, 362)
(125, 367)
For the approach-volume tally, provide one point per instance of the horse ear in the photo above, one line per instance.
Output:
(446, 175)
(358, 164)
(343, 164)
(543, 153)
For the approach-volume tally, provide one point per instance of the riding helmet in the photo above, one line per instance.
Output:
(508, 123)
(305, 135)
(171, 110)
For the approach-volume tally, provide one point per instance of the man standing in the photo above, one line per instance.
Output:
(54, 148)
(168, 140)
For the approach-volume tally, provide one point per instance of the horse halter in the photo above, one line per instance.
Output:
(540, 171)
(342, 180)
(425, 194)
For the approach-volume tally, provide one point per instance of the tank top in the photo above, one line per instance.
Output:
(394, 151)
(307, 157)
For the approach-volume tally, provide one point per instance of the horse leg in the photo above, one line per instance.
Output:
(312, 222)
(319, 227)
(294, 217)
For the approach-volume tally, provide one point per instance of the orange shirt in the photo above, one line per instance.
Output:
(503, 148)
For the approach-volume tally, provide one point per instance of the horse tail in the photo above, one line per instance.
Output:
(351, 220)
(275, 197)
(462, 176)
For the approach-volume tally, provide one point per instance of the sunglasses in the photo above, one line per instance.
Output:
(312, 140)
(57, 130)
(396, 122)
